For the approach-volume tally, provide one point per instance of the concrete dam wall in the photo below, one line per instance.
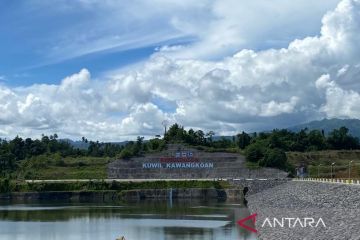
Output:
(182, 162)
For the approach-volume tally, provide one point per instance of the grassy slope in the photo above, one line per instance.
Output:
(54, 167)
(326, 158)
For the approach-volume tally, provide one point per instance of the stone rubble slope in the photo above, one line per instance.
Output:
(337, 204)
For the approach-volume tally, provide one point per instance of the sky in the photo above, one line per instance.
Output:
(112, 70)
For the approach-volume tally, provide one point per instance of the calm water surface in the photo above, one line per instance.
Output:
(156, 220)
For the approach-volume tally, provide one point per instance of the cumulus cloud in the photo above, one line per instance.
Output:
(338, 101)
(313, 77)
(79, 106)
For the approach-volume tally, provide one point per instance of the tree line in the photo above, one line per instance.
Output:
(268, 148)
(265, 149)
(12, 152)
(301, 141)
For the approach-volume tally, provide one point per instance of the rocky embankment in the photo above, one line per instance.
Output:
(338, 205)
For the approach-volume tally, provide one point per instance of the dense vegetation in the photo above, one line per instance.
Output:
(55, 158)
(50, 157)
(32, 156)
(268, 148)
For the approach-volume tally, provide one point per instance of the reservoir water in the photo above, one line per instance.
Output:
(158, 220)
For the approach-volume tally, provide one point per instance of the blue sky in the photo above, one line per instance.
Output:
(43, 42)
(37, 47)
(113, 70)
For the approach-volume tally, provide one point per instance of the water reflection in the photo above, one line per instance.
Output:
(141, 220)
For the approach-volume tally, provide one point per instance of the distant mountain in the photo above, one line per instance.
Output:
(329, 124)
(76, 144)
(218, 138)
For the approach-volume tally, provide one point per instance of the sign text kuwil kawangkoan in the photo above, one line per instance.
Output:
(179, 165)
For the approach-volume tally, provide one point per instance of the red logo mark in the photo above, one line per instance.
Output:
(241, 222)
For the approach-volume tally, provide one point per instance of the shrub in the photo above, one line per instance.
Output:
(81, 164)
(126, 154)
(274, 158)
(254, 152)
(5, 185)
(60, 163)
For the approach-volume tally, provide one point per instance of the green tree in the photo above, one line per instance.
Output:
(316, 141)
(138, 146)
(254, 152)
(176, 133)
(274, 158)
(340, 139)
(126, 153)
(243, 140)
(199, 137)
(209, 135)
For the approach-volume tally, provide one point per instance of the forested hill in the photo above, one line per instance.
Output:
(265, 149)
(330, 124)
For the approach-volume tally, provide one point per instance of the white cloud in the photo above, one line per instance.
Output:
(111, 25)
(338, 102)
(274, 108)
(343, 70)
(219, 27)
(235, 25)
(313, 77)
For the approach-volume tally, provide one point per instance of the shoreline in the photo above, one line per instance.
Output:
(128, 195)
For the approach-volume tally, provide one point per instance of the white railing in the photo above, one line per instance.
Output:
(329, 180)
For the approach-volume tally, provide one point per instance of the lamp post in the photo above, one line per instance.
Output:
(332, 166)
(350, 169)
(318, 170)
